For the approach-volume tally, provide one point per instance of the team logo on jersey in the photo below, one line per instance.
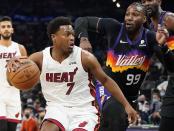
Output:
(83, 124)
(17, 115)
(142, 43)
(120, 63)
(7, 55)
(121, 41)
(72, 63)
(61, 77)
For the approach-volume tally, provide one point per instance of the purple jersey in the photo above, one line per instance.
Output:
(101, 94)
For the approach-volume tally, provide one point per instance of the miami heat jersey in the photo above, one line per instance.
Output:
(5, 54)
(66, 83)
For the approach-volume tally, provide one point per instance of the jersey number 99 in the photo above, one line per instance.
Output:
(133, 79)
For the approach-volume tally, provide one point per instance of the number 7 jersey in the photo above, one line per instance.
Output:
(66, 83)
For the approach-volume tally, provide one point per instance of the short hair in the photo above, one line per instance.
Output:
(139, 5)
(54, 25)
(5, 18)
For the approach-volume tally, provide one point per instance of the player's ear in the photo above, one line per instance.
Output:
(12, 30)
(144, 19)
(160, 2)
(53, 36)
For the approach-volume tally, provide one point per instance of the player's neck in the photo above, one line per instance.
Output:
(59, 55)
(5, 42)
(134, 35)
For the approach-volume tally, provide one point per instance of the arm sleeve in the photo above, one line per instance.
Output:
(105, 26)
(164, 54)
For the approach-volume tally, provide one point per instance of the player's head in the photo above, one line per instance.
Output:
(135, 17)
(6, 28)
(152, 6)
(61, 32)
(28, 112)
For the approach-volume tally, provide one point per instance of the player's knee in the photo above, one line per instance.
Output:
(3, 125)
(49, 126)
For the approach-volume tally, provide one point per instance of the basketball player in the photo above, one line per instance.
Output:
(166, 18)
(66, 82)
(10, 105)
(130, 48)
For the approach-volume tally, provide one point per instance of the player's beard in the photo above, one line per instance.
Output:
(6, 37)
(154, 11)
(137, 28)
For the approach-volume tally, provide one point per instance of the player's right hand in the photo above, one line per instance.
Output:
(85, 44)
(14, 62)
(132, 114)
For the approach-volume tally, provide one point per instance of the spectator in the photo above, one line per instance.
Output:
(29, 124)
(155, 108)
(143, 109)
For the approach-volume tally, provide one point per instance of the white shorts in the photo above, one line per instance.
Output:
(73, 118)
(10, 106)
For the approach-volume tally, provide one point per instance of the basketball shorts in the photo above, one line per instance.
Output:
(10, 105)
(73, 118)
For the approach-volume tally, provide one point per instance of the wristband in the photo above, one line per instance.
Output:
(164, 48)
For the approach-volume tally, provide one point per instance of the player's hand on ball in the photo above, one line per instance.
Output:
(132, 114)
(14, 62)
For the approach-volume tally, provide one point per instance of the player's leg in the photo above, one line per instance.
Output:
(49, 126)
(166, 124)
(55, 119)
(84, 119)
(113, 117)
(13, 114)
(3, 120)
(11, 126)
(3, 125)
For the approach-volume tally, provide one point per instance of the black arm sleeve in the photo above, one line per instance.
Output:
(164, 54)
(105, 26)
(83, 24)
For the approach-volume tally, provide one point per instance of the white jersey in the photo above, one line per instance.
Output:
(5, 54)
(66, 83)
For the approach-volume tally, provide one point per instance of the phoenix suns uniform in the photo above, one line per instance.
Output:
(69, 93)
(127, 63)
(10, 104)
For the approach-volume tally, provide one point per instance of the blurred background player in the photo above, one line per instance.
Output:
(66, 82)
(165, 18)
(10, 105)
(130, 48)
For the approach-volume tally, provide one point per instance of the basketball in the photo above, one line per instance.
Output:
(25, 76)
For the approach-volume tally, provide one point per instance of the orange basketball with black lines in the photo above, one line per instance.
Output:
(25, 76)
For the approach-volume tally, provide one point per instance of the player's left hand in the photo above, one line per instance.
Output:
(14, 62)
(162, 35)
(132, 114)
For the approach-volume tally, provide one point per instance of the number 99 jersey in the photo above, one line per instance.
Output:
(127, 62)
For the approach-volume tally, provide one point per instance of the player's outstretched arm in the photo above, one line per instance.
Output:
(91, 65)
(81, 30)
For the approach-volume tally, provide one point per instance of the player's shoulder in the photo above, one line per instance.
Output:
(86, 54)
(168, 13)
(169, 16)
